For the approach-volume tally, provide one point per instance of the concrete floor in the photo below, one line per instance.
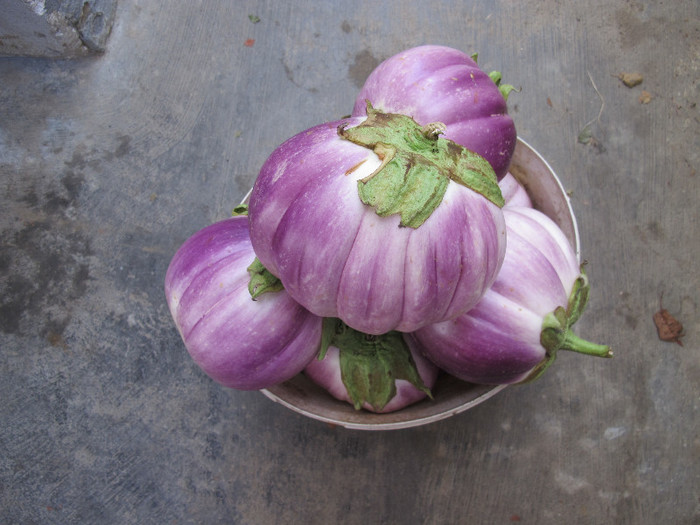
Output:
(109, 163)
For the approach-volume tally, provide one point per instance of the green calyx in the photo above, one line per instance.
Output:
(241, 209)
(261, 280)
(416, 166)
(370, 364)
(557, 333)
(505, 89)
(497, 77)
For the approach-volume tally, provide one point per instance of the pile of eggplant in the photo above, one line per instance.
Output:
(379, 251)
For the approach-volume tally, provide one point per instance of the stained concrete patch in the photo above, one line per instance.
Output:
(55, 28)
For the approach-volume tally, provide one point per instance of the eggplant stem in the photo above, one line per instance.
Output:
(573, 343)
(433, 130)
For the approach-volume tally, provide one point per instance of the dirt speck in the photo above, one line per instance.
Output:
(631, 79)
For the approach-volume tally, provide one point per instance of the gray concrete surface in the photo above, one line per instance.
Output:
(109, 163)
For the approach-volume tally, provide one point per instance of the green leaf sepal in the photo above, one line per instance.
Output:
(261, 280)
(497, 79)
(370, 364)
(557, 333)
(505, 89)
(416, 166)
(241, 209)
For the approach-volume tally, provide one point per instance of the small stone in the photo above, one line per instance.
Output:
(631, 79)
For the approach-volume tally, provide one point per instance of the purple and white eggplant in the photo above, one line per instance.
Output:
(515, 331)
(239, 342)
(440, 84)
(379, 222)
(377, 373)
(513, 192)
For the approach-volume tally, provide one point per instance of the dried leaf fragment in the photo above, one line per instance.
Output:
(669, 328)
(631, 79)
(645, 97)
(586, 135)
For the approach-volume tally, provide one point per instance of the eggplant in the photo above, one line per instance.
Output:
(514, 333)
(240, 341)
(513, 192)
(378, 221)
(441, 84)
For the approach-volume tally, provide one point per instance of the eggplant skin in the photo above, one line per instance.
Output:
(441, 84)
(498, 341)
(238, 342)
(338, 258)
(514, 194)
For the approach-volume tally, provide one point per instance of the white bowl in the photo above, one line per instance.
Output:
(451, 396)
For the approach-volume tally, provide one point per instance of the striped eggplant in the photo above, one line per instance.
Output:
(513, 192)
(240, 342)
(515, 331)
(379, 222)
(440, 84)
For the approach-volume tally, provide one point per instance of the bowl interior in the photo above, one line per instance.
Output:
(451, 396)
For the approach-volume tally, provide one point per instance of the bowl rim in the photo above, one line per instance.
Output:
(488, 391)
(573, 234)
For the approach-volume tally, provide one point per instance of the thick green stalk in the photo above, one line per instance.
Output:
(557, 333)
(574, 343)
